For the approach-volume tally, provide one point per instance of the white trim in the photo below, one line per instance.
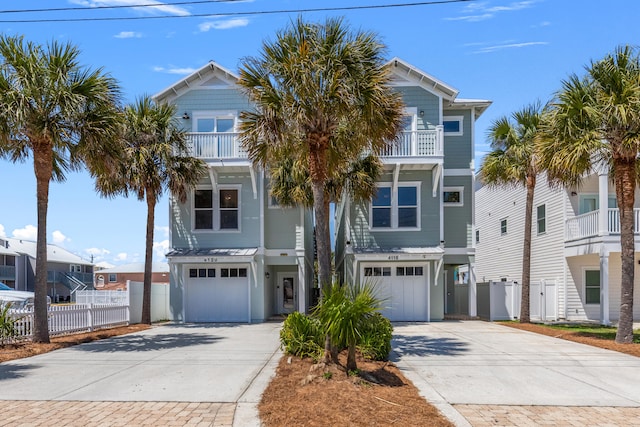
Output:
(459, 119)
(459, 189)
(394, 207)
(215, 202)
(280, 301)
(458, 172)
(459, 251)
(214, 114)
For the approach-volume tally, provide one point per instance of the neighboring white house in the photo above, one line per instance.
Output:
(575, 243)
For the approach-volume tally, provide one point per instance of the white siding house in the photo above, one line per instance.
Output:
(575, 243)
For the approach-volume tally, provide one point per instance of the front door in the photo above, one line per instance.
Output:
(286, 289)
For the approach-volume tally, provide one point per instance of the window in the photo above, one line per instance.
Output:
(592, 286)
(226, 214)
(453, 196)
(541, 218)
(202, 272)
(75, 268)
(113, 277)
(399, 210)
(377, 271)
(477, 236)
(233, 272)
(503, 226)
(453, 125)
(409, 271)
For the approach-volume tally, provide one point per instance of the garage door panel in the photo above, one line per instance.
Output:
(217, 299)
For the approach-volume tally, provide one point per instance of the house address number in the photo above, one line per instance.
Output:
(211, 260)
(393, 257)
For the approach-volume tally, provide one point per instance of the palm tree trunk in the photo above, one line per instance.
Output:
(148, 258)
(43, 167)
(525, 300)
(625, 178)
(351, 358)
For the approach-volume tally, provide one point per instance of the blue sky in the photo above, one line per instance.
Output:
(511, 52)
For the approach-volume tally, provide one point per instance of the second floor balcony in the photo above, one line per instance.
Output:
(588, 225)
(226, 145)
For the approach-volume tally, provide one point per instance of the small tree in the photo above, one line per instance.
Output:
(153, 161)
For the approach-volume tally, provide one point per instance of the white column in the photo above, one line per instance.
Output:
(473, 305)
(302, 286)
(604, 289)
(603, 200)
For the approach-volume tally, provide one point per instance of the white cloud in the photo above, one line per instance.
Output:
(494, 48)
(163, 229)
(154, 7)
(2, 232)
(122, 256)
(128, 35)
(104, 264)
(174, 70)
(161, 248)
(481, 11)
(59, 238)
(29, 232)
(97, 251)
(223, 24)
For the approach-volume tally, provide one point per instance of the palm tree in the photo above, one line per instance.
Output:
(62, 114)
(594, 121)
(513, 163)
(343, 312)
(153, 161)
(322, 98)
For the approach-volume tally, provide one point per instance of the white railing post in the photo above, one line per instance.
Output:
(439, 140)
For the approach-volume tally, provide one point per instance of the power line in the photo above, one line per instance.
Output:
(221, 14)
(127, 6)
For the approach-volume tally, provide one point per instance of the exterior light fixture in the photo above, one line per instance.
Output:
(185, 116)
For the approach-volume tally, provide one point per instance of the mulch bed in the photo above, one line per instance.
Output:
(328, 396)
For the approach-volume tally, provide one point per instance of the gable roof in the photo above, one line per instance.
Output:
(54, 253)
(210, 75)
(406, 74)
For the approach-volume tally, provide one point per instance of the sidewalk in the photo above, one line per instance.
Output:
(478, 373)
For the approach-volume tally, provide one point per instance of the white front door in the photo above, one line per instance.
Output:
(286, 289)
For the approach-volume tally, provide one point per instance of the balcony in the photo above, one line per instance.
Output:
(587, 225)
(213, 145)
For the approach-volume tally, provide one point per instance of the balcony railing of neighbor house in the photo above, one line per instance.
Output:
(587, 225)
(215, 145)
(7, 272)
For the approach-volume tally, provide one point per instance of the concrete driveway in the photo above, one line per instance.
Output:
(172, 363)
(480, 363)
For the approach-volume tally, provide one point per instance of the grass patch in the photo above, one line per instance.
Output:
(595, 331)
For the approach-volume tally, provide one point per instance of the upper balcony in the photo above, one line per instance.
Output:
(426, 145)
(587, 225)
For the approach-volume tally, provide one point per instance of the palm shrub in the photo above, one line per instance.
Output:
(343, 313)
(302, 336)
(375, 341)
(8, 329)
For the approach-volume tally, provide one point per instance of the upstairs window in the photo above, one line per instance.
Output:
(453, 196)
(541, 218)
(391, 210)
(453, 125)
(217, 212)
(503, 226)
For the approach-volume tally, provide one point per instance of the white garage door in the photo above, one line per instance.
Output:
(217, 294)
(404, 288)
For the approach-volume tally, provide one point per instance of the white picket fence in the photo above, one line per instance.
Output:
(102, 297)
(74, 318)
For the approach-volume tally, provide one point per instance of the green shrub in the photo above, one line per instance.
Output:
(302, 336)
(8, 329)
(375, 337)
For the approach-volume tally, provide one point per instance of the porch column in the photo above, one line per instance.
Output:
(473, 305)
(302, 286)
(604, 289)
(603, 200)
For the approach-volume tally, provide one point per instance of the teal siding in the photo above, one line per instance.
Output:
(210, 100)
(280, 226)
(458, 221)
(423, 101)
(183, 235)
(429, 233)
(458, 150)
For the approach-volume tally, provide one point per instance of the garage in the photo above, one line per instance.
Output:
(404, 287)
(217, 293)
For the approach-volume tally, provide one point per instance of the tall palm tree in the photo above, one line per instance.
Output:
(513, 163)
(62, 114)
(152, 162)
(322, 98)
(594, 121)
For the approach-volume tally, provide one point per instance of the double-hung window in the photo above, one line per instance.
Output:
(218, 211)
(541, 218)
(394, 210)
(592, 286)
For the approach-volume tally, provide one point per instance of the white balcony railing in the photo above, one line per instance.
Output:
(214, 145)
(586, 225)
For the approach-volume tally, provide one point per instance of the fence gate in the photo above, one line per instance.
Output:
(542, 300)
